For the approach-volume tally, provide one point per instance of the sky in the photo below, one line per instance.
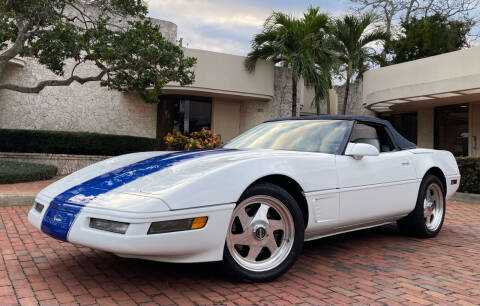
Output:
(228, 25)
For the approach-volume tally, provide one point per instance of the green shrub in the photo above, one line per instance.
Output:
(16, 172)
(470, 171)
(58, 142)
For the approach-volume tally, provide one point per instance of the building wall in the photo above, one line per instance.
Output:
(449, 72)
(219, 73)
(87, 107)
(425, 130)
(226, 118)
(307, 108)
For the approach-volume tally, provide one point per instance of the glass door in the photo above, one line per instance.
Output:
(184, 113)
(451, 129)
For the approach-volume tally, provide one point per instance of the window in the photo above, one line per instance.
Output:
(405, 124)
(191, 114)
(451, 129)
(374, 135)
(184, 113)
(325, 136)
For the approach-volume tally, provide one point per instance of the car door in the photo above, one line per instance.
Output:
(375, 187)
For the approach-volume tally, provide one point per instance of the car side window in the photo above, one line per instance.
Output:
(373, 135)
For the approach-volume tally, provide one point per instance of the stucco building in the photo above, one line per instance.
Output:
(225, 97)
(434, 102)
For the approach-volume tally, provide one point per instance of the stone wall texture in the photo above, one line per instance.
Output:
(253, 113)
(87, 107)
(65, 163)
(355, 100)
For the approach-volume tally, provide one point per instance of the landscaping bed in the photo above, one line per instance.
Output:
(17, 172)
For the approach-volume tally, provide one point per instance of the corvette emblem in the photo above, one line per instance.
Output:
(260, 233)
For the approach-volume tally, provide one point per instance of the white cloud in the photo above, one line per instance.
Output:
(221, 26)
(211, 12)
(199, 41)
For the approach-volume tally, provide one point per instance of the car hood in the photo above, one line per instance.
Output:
(179, 179)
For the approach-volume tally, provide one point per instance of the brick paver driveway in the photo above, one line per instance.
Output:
(372, 266)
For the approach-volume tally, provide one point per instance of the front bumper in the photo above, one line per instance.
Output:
(201, 245)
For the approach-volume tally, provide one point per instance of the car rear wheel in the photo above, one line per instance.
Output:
(426, 220)
(265, 234)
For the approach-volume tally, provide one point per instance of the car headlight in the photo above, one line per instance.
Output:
(109, 226)
(177, 225)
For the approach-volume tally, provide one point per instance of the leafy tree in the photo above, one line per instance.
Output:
(392, 10)
(297, 44)
(428, 36)
(351, 41)
(128, 50)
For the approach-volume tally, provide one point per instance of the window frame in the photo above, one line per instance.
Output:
(376, 126)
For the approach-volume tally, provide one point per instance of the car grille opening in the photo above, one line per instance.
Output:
(38, 207)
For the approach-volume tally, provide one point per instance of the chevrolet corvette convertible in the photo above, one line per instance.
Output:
(252, 203)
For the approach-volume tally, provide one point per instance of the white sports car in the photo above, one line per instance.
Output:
(253, 202)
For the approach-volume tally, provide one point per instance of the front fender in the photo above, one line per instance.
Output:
(226, 182)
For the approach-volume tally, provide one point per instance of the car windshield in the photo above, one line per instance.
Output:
(325, 136)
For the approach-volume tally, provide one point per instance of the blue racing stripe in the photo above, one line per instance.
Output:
(62, 211)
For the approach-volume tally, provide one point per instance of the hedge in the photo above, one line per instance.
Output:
(58, 142)
(16, 172)
(470, 171)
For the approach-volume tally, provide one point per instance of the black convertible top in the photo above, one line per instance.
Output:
(399, 140)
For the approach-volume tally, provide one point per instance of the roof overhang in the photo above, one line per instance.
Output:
(215, 93)
(438, 80)
(427, 101)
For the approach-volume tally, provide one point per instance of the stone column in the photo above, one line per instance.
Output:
(474, 129)
(281, 105)
(426, 126)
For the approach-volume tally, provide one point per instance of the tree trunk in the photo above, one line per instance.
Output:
(327, 98)
(347, 91)
(318, 108)
(16, 48)
(409, 11)
(294, 96)
(347, 86)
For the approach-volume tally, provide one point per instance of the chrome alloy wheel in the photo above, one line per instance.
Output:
(261, 233)
(433, 206)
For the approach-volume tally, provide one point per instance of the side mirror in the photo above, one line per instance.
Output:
(359, 150)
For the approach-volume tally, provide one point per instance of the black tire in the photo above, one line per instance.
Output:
(235, 270)
(415, 224)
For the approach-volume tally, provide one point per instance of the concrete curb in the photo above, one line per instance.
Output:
(466, 197)
(16, 200)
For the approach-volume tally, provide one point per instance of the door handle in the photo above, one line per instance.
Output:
(405, 163)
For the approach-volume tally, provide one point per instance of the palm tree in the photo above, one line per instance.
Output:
(297, 44)
(350, 41)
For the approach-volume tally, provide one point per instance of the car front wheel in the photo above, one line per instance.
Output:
(265, 235)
